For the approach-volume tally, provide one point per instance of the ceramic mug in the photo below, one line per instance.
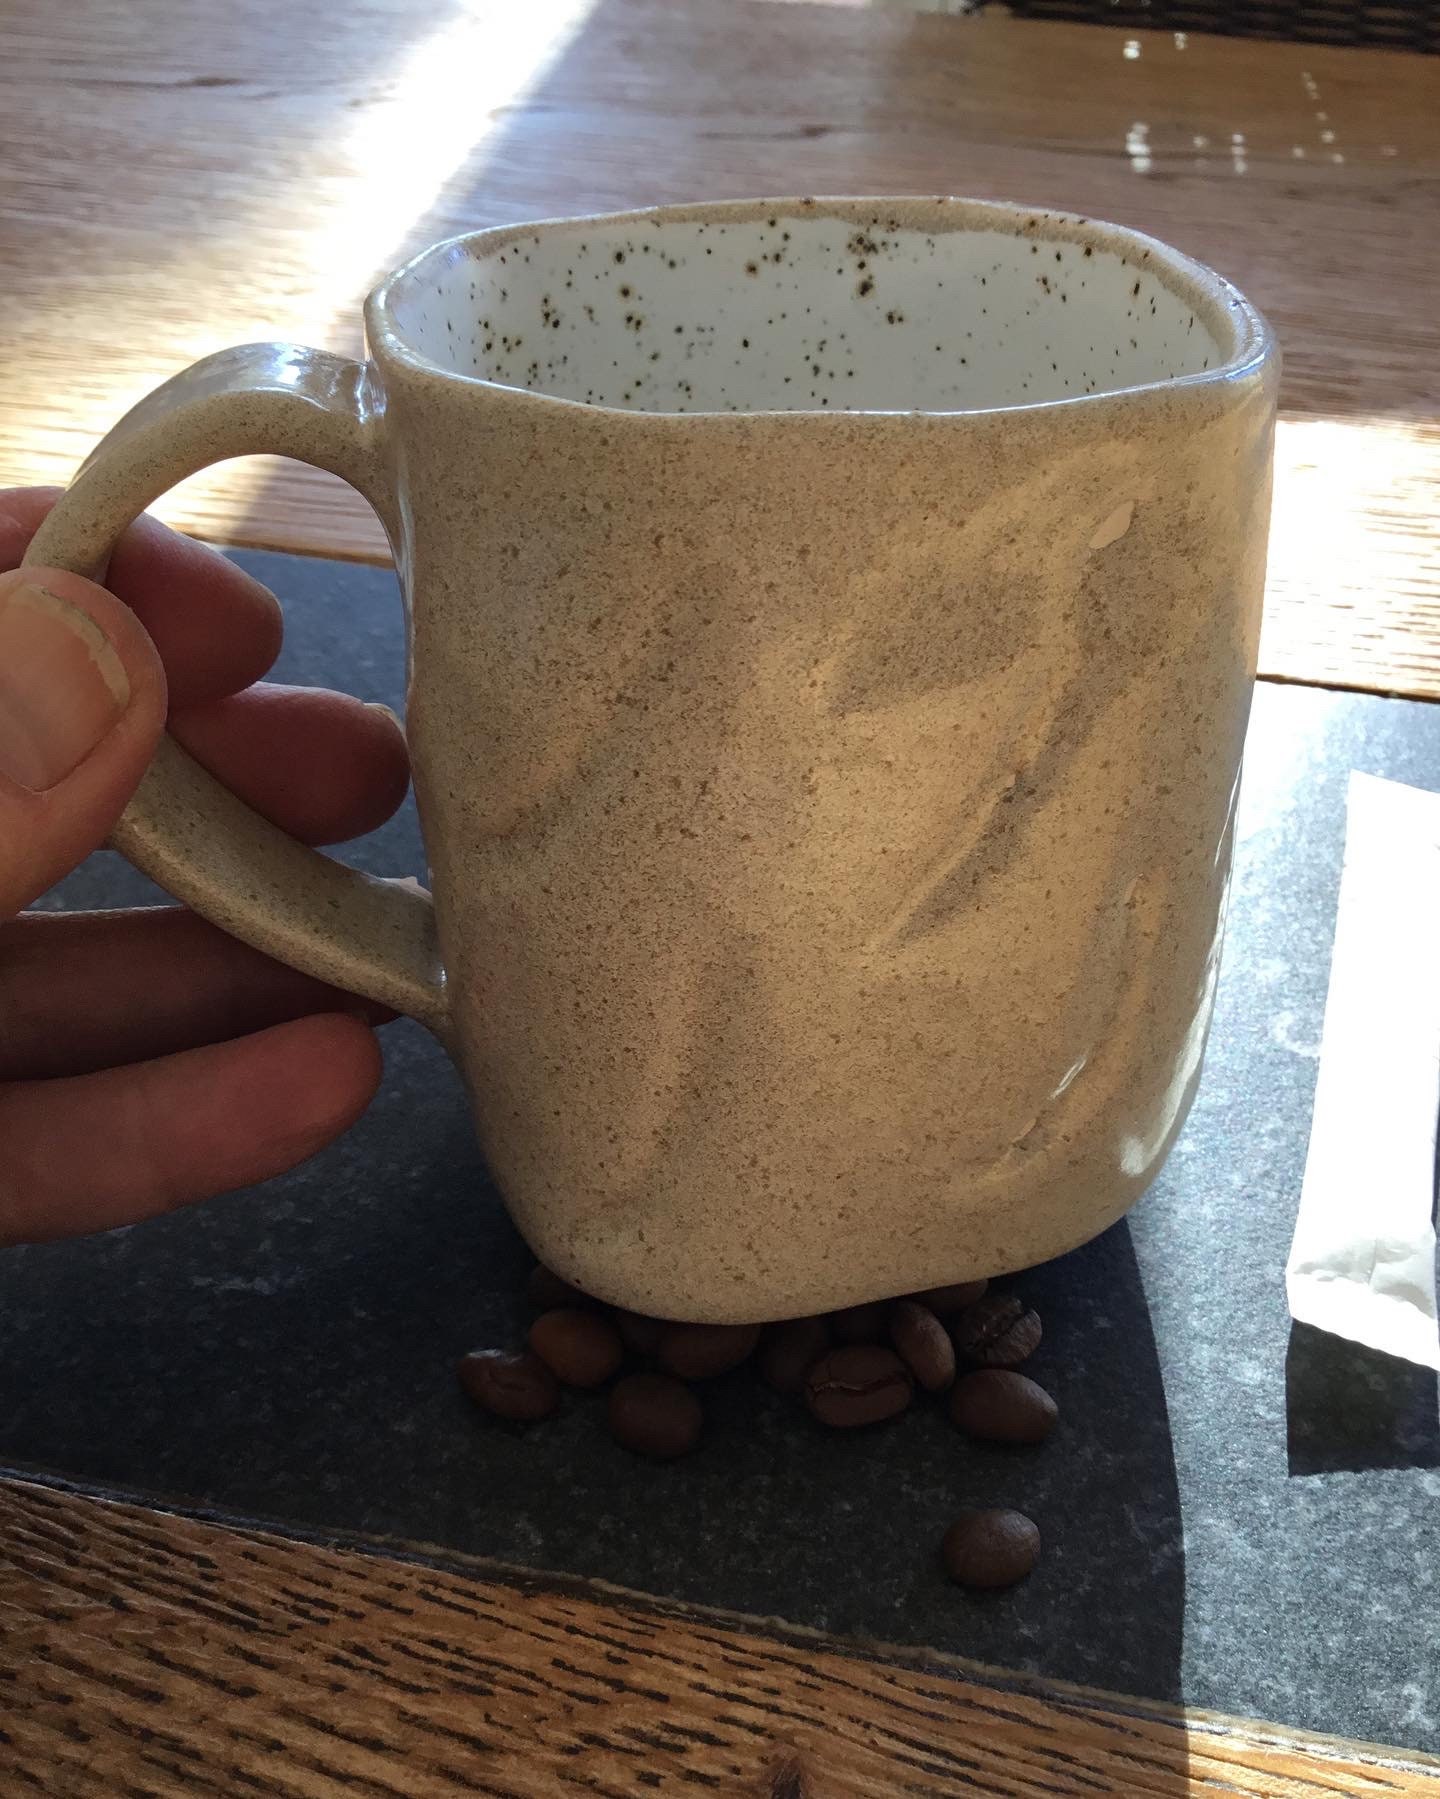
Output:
(831, 634)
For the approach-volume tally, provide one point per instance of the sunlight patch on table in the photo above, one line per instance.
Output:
(355, 200)
(1351, 530)
(445, 102)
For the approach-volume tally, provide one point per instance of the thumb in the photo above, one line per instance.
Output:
(82, 701)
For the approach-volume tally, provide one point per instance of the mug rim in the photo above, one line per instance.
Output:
(1253, 343)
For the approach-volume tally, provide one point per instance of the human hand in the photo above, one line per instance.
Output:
(147, 1059)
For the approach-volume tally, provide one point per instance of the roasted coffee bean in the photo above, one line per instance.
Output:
(1002, 1406)
(990, 1549)
(640, 1335)
(582, 1348)
(945, 1302)
(655, 1414)
(701, 1351)
(860, 1324)
(998, 1331)
(510, 1384)
(791, 1350)
(923, 1344)
(862, 1383)
(546, 1291)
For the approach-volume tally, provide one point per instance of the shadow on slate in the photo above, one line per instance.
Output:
(1351, 1408)
(287, 1352)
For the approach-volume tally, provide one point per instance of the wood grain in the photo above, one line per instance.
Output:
(180, 178)
(147, 1654)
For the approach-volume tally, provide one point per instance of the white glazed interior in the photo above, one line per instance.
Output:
(742, 309)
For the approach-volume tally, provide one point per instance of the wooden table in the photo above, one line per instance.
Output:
(177, 179)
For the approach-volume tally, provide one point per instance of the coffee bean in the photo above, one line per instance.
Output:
(990, 1549)
(945, 1302)
(1001, 1406)
(701, 1351)
(863, 1383)
(582, 1348)
(546, 1291)
(654, 1414)
(860, 1324)
(509, 1384)
(998, 1331)
(923, 1344)
(791, 1350)
(639, 1334)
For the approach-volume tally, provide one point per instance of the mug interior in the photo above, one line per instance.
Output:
(919, 306)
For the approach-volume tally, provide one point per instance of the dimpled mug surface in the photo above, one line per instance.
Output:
(832, 627)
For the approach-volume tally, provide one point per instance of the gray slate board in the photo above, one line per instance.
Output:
(1235, 1513)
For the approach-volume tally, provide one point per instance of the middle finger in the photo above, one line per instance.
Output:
(81, 991)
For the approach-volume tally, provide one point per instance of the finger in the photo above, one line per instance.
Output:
(216, 628)
(81, 991)
(321, 765)
(82, 702)
(113, 1148)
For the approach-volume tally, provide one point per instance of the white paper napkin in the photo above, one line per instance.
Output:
(1362, 1264)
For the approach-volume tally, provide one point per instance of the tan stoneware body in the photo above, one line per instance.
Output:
(826, 723)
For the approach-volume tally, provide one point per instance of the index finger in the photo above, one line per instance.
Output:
(216, 628)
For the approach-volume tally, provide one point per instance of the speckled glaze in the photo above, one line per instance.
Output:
(832, 632)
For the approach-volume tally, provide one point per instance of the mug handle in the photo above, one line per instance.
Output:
(183, 828)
